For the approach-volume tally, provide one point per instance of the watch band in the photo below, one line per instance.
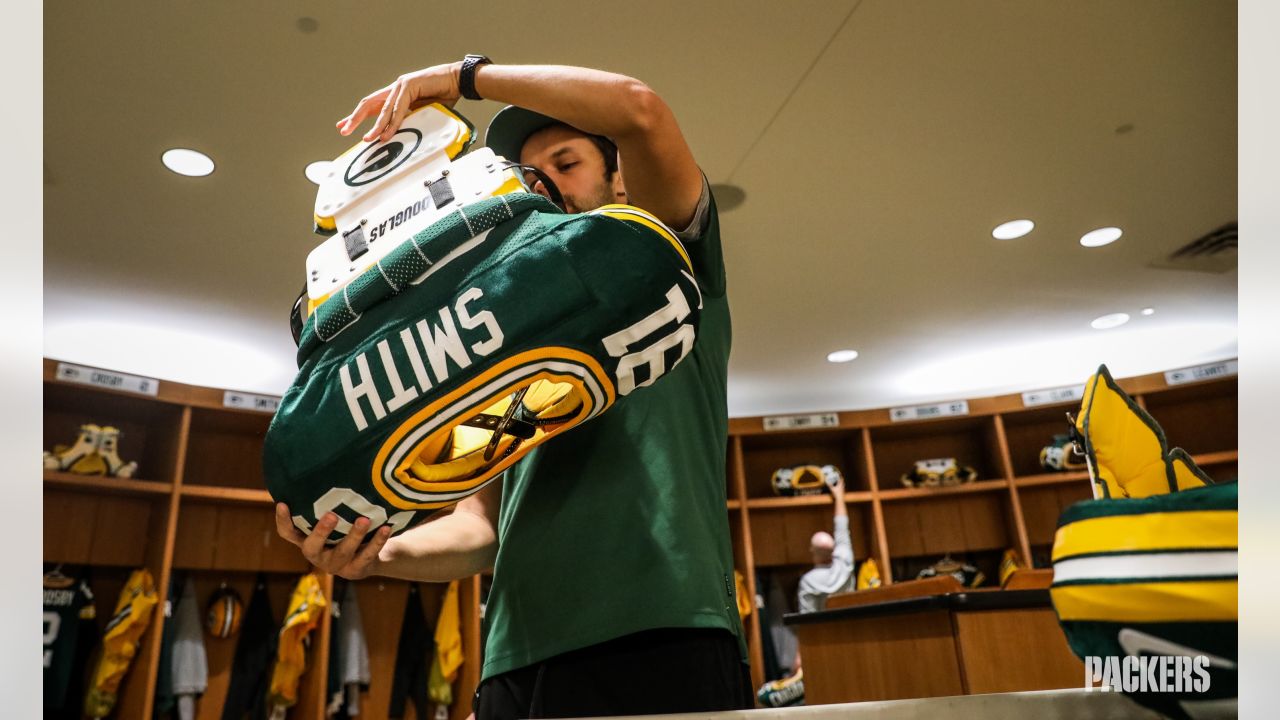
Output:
(467, 76)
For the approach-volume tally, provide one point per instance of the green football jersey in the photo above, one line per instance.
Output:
(407, 375)
(620, 526)
(68, 622)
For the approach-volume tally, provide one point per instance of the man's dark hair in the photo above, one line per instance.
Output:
(610, 152)
(604, 145)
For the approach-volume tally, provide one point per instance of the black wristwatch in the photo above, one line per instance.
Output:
(467, 76)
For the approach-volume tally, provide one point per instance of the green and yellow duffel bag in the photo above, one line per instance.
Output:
(451, 353)
(1145, 577)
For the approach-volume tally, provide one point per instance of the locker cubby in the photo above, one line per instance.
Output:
(233, 537)
(382, 604)
(1029, 431)
(106, 582)
(149, 429)
(763, 454)
(1199, 417)
(103, 529)
(934, 526)
(780, 536)
(224, 448)
(986, 561)
(970, 440)
(221, 651)
(1041, 506)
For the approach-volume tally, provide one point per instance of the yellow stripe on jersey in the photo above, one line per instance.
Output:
(1165, 601)
(1199, 529)
(632, 214)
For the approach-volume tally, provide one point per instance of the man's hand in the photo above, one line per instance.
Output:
(438, 83)
(837, 496)
(346, 559)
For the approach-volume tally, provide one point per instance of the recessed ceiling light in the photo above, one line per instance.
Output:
(1148, 311)
(187, 162)
(842, 356)
(317, 171)
(1012, 229)
(1107, 322)
(1101, 236)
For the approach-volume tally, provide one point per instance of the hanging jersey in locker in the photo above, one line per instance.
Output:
(68, 614)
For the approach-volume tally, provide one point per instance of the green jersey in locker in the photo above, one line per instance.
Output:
(68, 633)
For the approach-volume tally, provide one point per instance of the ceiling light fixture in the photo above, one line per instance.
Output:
(1106, 322)
(1148, 311)
(842, 356)
(1013, 229)
(1101, 236)
(317, 171)
(187, 162)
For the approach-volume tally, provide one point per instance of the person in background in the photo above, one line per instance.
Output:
(832, 560)
(832, 573)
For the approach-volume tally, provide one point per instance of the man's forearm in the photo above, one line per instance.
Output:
(455, 546)
(593, 101)
(844, 543)
(659, 170)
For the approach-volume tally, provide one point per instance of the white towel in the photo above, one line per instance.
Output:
(190, 663)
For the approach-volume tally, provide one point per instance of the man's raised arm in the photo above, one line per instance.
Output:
(661, 175)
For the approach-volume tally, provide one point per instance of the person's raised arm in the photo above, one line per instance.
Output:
(658, 167)
(844, 545)
(455, 546)
(837, 495)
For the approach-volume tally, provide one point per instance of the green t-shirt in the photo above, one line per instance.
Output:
(620, 525)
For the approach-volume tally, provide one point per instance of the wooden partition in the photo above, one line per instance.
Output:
(197, 503)
(930, 638)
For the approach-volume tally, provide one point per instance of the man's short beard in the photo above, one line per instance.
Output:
(601, 195)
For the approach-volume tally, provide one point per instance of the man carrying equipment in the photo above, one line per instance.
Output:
(613, 586)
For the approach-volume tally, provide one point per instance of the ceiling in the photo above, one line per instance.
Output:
(878, 143)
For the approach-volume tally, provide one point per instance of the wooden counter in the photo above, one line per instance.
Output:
(935, 644)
